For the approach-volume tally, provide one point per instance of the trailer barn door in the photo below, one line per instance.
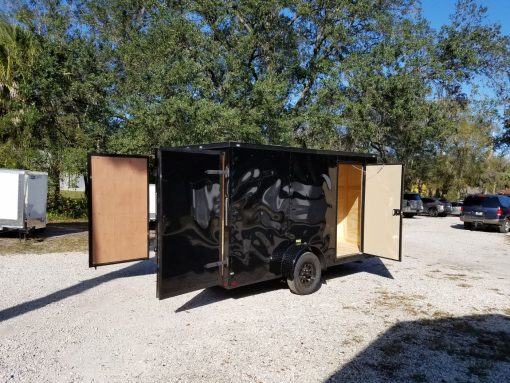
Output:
(118, 209)
(382, 220)
(190, 194)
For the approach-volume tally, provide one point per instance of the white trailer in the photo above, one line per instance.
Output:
(152, 202)
(23, 199)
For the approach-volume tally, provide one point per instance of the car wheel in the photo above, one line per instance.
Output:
(408, 215)
(468, 225)
(433, 212)
(505, 228)
(306, 275)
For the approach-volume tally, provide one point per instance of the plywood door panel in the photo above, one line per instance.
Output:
(119, 209)
(382, 221)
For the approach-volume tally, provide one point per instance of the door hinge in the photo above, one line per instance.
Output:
(214, 264)
(217, 172)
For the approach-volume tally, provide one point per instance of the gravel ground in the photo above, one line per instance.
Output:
(443, 314)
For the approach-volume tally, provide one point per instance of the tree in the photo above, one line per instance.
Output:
(60, 110)
(128, 76)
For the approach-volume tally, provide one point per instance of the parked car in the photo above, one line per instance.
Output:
(434, 207)
(456, 208)
(448, 207)
(486, 210)
(411, 205)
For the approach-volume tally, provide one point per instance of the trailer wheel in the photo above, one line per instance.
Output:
(306, 275)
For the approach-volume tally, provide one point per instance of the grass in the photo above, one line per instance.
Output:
(72, 194)
(400, 301)
(456, 277)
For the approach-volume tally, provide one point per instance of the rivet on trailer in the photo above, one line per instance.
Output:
(233, 214)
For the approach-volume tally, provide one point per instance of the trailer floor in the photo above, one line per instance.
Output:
(443, 314)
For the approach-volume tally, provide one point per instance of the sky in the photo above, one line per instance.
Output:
(438, 12)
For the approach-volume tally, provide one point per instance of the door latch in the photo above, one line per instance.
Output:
(396, 212)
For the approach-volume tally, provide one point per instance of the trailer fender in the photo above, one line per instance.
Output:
(292, 254)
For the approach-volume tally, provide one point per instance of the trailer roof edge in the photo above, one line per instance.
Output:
(237, 144)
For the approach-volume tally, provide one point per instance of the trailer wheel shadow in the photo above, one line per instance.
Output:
(449, 349)
(217, 294)
(134, 270)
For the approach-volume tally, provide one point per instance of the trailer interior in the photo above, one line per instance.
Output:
(348, 217)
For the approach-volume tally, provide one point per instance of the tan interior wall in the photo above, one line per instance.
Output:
(119, 209)
(348, 209)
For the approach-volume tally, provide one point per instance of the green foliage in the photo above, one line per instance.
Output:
(128, 76)
(62, 208)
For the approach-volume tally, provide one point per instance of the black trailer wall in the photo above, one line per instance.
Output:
(259, 207)
(278, 198)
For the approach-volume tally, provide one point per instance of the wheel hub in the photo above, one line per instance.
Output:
(307, 273)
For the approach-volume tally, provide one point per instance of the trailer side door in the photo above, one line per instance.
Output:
(382, 219)
(190, 194)
(118, 199)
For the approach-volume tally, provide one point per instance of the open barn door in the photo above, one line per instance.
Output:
(190, 192)
(118, 209)
(382, 220)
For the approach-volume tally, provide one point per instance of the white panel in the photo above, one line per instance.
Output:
(152, 201)
(9, 196)
(383, 194)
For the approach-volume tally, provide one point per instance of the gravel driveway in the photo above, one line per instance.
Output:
(443, 314)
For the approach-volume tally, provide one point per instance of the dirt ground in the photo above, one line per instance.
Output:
(443, 314)
(57, 237)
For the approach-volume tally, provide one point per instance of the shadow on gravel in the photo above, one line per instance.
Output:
(51, 230)
(485, 229)
(217, 294)
(462, 349)
(137, 269)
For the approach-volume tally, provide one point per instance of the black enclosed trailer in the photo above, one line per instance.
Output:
(234, 214)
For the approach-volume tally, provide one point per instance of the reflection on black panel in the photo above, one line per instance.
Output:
(190, 222)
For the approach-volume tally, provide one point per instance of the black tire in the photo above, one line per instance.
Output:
(433, 212)
(468, 225)
(306, 275)
(505, 228)
(408, 215)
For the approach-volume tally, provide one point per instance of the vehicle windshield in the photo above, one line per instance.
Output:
(490, 202)
(412, 197)
(472, 201)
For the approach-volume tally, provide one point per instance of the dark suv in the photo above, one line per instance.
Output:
(411, 204)
(486, 210)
